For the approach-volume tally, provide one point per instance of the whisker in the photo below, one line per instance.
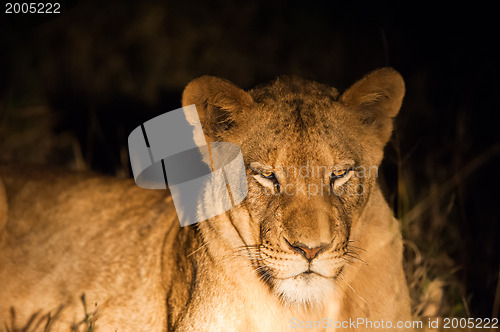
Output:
(354, 256)
(348, 260)
(342, 278)
(204, 246)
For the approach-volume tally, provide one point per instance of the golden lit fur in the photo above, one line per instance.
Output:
(288, 253)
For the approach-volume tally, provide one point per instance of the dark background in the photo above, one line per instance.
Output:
(73, 86)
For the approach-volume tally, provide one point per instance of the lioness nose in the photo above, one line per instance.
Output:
(308, 252)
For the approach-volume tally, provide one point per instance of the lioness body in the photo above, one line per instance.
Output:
(122, 246)
(83, 234)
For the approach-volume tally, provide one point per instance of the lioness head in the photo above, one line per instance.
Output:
(311, 156)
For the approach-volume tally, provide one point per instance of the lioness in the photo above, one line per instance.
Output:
(314, 243)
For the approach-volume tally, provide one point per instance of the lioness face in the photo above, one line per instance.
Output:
(306, 187)
(312, 159)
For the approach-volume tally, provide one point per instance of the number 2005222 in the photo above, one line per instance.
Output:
(32, 8)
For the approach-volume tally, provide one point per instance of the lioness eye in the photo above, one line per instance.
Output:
(265, 176)
(268, 175)
(340, 176)
(339, 173)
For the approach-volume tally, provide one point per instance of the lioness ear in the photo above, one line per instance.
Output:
(218, 102)
(377, 98)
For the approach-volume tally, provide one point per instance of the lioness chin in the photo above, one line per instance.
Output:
(314, 240)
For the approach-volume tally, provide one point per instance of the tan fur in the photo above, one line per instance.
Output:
(122, 246)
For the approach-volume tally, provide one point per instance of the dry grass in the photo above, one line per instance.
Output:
(428, 215)
(45, 323)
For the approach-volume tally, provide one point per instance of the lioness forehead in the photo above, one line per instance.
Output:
(295, 101)
(296, 121)
(289, 87)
